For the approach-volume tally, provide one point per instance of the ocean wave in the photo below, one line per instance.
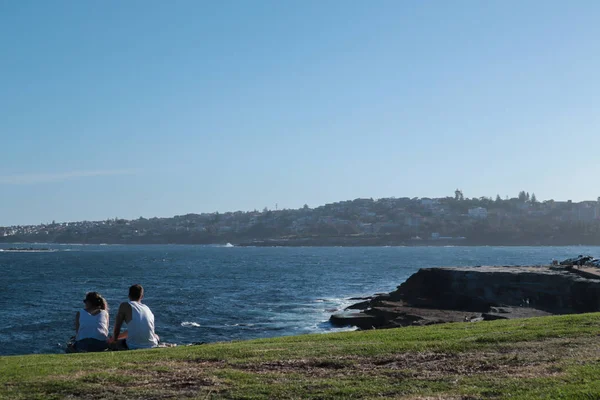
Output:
(334, 300)
(192, 324)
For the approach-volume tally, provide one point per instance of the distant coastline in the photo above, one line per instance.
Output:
(385, 241)
(318, 242)
(449, 221)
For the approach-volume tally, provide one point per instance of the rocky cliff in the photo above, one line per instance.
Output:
(437, 295)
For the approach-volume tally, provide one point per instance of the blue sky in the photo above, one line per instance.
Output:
(147, 108)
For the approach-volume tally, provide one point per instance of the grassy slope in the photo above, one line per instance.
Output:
(553, 357)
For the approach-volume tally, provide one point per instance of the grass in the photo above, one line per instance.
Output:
(553, 357)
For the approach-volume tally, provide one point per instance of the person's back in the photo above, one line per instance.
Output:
(140, 329)
(140, 323)
(92, 326)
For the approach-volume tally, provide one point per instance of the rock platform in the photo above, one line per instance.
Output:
(469, 294)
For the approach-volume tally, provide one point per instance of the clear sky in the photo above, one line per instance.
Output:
(159, 108)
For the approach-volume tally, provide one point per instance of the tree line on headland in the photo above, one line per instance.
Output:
(522, 220)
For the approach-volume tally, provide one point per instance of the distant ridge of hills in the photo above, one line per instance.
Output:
(388, 221)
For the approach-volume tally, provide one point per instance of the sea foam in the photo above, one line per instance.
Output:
(187, 324)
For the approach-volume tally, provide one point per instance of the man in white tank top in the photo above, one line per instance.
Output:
(140, 323)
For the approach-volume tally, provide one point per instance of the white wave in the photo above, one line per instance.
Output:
(229, 245)
(339, 329)
(336, 300)
(325, 327)
(187, 324)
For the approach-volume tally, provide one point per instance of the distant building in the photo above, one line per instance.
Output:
(478, 212)
(413, 220)
(365, 228)
(586, 211)
(426, 202)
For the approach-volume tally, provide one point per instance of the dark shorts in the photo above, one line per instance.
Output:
(120, 344)
(91, 345)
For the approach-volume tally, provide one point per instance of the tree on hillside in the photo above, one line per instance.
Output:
(498, 199)
(527, 197)
(533, 198)
(458, 195)
(522, 196)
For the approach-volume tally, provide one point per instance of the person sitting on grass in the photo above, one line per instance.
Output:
(91, 325)
(140, 323)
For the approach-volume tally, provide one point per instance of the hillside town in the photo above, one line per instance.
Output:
(521, 220)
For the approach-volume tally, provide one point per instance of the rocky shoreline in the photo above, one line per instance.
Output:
(26, 250)
(471, 294)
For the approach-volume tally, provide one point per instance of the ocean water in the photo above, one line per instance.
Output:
(211, 293)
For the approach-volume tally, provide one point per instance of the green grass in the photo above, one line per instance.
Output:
(553, 357)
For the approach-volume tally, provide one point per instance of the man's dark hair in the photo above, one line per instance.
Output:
(136, 292)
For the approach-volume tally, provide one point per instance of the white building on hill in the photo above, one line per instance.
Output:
(478, 212)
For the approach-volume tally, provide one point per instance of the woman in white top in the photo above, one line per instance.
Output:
(91, 324)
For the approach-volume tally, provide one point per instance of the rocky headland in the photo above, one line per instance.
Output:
(26, 250)
(471, 294)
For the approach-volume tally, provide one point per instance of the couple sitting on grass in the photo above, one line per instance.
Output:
(91, 324)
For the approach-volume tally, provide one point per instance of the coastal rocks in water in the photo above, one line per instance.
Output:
(361, 320)
(361, 298)
(26, 249)
(363, 305)
(438, 295)
(579, 260)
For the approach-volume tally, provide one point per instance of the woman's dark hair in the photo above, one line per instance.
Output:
(96, 300)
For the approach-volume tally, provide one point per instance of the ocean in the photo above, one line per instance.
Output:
(215, 293)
